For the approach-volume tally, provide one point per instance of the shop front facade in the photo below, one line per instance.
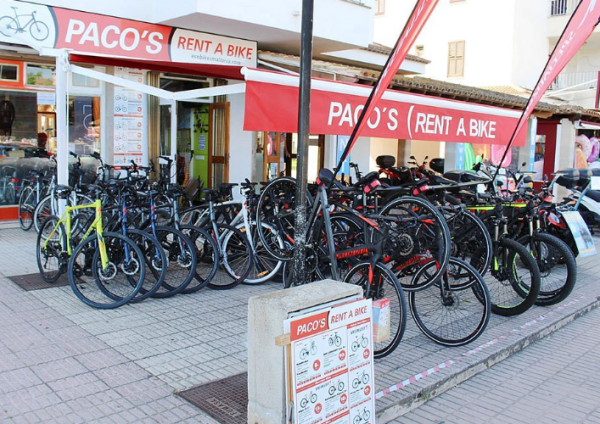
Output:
(134, 91)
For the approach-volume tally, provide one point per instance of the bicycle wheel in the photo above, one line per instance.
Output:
(236, 258)
(275, 207)
(11, 194)
(39, 30)
(51, 251)
(455, 309)
(113, 286)
(207, 257)
(470, 239)
(418, 235)
(8, 26)
(513, 280)
(384, 285)
(264, 265)
(558, 269)
(181, 261)
(155, 261)
(42, 211)
(26, 208)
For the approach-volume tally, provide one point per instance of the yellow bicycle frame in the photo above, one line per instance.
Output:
(96, 225)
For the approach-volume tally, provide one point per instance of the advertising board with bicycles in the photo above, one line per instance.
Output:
(331, 370)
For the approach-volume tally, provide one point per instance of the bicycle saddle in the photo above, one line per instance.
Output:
(325, 176)
(385, 161)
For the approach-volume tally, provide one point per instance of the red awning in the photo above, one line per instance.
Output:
(272, 105)
(209, 71)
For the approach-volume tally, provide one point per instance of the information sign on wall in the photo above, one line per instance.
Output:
(331, 369)
(130, 141)
(581, 233)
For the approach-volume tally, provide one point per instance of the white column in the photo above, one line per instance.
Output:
(62, 135)
(174, 140)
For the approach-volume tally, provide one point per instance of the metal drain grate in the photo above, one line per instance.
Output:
(35, 282)
(225, 400)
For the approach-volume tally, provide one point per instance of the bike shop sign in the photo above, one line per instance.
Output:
(332, 375)
(53, 27)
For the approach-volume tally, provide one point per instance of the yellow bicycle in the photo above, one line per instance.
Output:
(105, 269)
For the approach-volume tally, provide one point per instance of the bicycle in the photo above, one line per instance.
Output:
(34, 189)
(453, 310)
(362, 417)
(106, 270)
(304, 352)
(360, 379)
(239, 214)
(8, 190)
(324, 249)
(38, 29)
(334, 339)
(333, 389)
(514, 279)
(312, 398)
(359, 342)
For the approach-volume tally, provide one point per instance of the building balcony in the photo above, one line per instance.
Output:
(559, 12)
(576, 80)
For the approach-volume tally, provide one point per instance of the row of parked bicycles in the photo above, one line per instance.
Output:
(450, 248)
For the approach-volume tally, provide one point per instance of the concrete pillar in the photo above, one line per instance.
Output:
(266, 360)
(565, 152)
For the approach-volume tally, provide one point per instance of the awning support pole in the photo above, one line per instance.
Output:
(173, 169)
(62, 136)
(306, 46)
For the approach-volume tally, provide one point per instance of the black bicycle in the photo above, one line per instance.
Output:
(10, 25)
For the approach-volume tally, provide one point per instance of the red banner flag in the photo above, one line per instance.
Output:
(411, 31)
(578, 29)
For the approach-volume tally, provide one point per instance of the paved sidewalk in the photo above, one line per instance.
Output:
(556, 380)
(62, 361)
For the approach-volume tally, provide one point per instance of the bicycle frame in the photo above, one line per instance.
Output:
(96, 225)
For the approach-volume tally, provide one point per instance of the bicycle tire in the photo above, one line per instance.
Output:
(275, 207)
(419, 230)
(155, 260)
(99, 288)
(8, 25)
(10, 194)
(358, 275)
(264, 265)
(235, 258)
(51, 260)
(181, 261)
(26, 208)
(42, 30)
(207, 257)
(454, 310)
(470, 239)
(42, 211)
(558, 268)
(513, 280)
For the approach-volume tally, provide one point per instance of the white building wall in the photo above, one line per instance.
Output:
(486, 26)
(530, 45)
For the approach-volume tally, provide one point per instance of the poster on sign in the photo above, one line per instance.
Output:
(331, 370)
(581, 233)
(130, 141)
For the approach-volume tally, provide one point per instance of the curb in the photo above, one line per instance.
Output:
(414, 400)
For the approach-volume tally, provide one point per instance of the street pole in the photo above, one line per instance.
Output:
(306, 45)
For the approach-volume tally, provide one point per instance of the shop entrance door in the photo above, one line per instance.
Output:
(218, 157)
